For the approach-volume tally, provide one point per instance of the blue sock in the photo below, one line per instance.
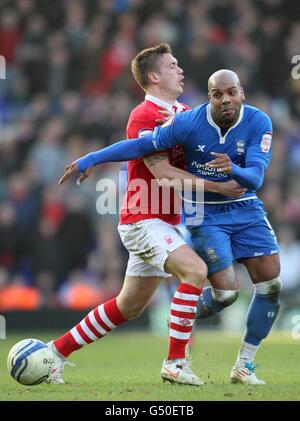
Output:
(207, 305)
(262, 313)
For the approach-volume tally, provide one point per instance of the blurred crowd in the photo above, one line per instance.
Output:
(69, 90)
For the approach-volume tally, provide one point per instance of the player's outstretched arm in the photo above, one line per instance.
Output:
(124, 150)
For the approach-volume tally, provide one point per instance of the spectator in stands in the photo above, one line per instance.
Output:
(69, 90)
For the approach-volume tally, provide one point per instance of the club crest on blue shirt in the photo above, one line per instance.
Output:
(240, 147)
(266, 141)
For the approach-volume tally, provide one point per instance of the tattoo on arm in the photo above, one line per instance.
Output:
(152, 160)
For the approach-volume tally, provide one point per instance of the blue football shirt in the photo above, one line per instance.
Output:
(247, 142)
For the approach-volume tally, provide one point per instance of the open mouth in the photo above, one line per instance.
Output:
(228, 111)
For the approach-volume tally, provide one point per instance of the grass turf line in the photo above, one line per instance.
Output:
(126, 366)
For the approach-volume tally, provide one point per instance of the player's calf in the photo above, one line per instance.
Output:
(136, 294)
(262, 313)
(263, 310)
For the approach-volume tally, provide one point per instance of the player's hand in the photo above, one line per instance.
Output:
(84, 175)
(231, 188)
(73, 169)
(167, 116)
(222, 163)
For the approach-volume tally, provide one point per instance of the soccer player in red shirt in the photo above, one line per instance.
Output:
(148, 230)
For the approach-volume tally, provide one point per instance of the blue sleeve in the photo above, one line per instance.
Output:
(126, 150)
(259, 149)
(258, 153)
(250, 177)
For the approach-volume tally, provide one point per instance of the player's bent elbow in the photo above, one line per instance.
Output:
(168, 178)
(257, 183)
(251, 177)
(251, 185)
(164, 181)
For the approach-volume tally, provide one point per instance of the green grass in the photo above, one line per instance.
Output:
(126, 366)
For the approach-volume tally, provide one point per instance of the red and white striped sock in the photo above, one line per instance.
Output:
(94, 326)
(183, 312)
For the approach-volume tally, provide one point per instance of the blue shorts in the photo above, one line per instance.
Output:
(231, 232)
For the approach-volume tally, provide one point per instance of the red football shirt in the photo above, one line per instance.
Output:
(144, 198)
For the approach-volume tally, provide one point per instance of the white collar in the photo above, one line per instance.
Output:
(164, 104)
(212, 123)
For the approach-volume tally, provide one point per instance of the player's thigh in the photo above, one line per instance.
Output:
(254, 238)
(212, 244)
(136, 292)
(263, 268)
(185, 264)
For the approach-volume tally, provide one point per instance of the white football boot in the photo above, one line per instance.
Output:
(244, 373)
(179, 371)
(58, 366)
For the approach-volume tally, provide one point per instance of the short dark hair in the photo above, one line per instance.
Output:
(146, 61)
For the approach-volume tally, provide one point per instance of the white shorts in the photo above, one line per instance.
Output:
(148, 243)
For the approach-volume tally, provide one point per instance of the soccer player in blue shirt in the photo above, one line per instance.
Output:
(222, 140)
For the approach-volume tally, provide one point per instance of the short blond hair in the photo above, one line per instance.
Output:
(147, 61)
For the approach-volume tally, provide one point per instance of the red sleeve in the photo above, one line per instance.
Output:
(135, 127)
(143, 119)
(140, 120)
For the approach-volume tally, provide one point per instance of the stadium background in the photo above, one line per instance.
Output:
(69, 90)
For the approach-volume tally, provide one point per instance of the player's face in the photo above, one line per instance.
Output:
(226, 99)
(170, 76)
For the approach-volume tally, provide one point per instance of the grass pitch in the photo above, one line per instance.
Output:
(126, 367)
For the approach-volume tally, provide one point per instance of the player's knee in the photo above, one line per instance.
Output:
(194, 274)
(129, 308)
(271, 288)
(225, 297)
